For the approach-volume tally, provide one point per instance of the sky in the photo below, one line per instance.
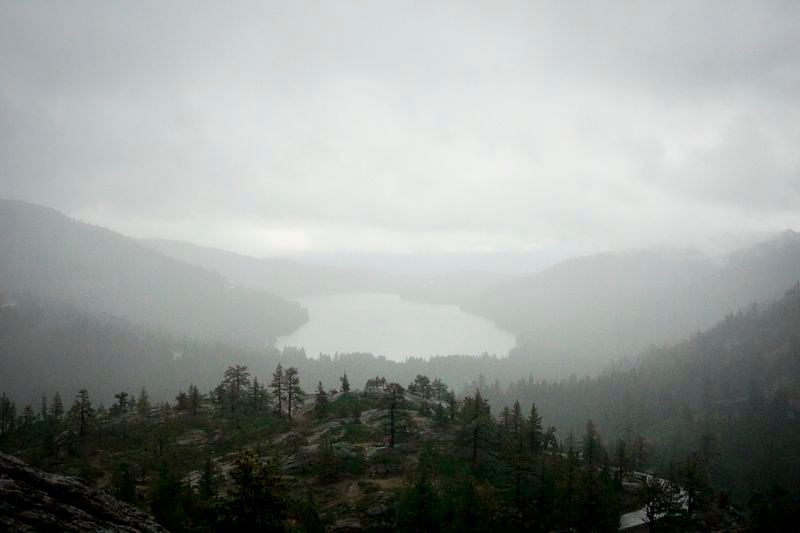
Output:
(403, 128)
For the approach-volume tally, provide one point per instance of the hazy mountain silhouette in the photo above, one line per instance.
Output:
(44, 253)
(578, 315)
(284, 277)
(296, 279)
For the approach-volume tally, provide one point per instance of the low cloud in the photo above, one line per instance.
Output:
(352, 127)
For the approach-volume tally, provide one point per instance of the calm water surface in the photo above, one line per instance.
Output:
(384, 324)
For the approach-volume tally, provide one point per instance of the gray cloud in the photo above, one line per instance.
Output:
(387, 127)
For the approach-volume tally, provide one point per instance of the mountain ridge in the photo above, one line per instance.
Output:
(43, 252)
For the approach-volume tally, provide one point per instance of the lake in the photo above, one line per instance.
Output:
(385, 324)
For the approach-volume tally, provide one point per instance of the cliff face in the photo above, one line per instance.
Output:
(32, 500)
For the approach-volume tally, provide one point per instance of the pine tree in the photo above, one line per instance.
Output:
(258, 497)
(345, 383)
(597, 505)
(237, 378)
(439, 413)
(82, 412)
(419, 508)
(27, 416)
(421, 386)
(549, 440)
(237, 384)
(620, 461)
(168, 499)
(256, 395)
(43, 408)
(143, 403)
(653, 496)
(122, 483)
(534, 430)
(451, 403)
(208, 479)
(477, 419)
(321, 401)
(194, 399)
(57, 408)
(326, 461)
(516, 426)
(219, 397)
(121, 407)
(396, 394)
(505, 418)
(8, 414)
(181, 401)
(439, 389)
(278, 390)
(294, 394)
(591, 448)
(503, 428)
(694, 479)
(571, 477)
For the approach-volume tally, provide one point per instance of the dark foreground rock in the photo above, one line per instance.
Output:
(32, 500)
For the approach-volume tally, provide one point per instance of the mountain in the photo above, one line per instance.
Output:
(584, 312)
(44, 253)
(295, 279)
(450, 288)
(284, 277)
(49, 346)
(32, 500)
(730, 394)
(381, 458)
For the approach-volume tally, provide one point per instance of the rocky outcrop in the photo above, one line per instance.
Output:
(346, 525)
(301, 460)
(32, 500)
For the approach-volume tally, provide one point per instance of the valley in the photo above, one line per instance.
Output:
(386, 325)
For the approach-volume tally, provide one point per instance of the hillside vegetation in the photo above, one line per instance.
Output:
(585, 312)
(732, 391)
(48, 255)
(384, 458)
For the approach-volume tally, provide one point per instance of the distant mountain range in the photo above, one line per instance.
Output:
(729, 394)
(45, 254)
(584, 312)
(283, 277)
(295, 279)
(576, 316)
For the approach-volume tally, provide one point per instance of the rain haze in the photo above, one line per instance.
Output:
(381, 266)
(414, 128)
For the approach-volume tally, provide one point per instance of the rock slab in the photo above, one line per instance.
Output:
(33, 500)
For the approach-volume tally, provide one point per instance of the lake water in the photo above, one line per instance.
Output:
(385, 324)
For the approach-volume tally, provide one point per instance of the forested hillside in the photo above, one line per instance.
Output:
(263, 454)
(585, 312)
(69, 348)
(84, 308)
(48, 255)
(717, 412)
(732, 391)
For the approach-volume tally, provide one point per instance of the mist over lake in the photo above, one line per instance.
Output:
(385, 324)
(400, 266)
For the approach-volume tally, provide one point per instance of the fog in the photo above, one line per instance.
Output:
(593, 179)
(530, 129)
(400, 266)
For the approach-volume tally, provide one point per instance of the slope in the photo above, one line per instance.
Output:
(730, 394)
(585, 312)
(45, 253)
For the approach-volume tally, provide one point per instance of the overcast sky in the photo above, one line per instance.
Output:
(402, 127)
